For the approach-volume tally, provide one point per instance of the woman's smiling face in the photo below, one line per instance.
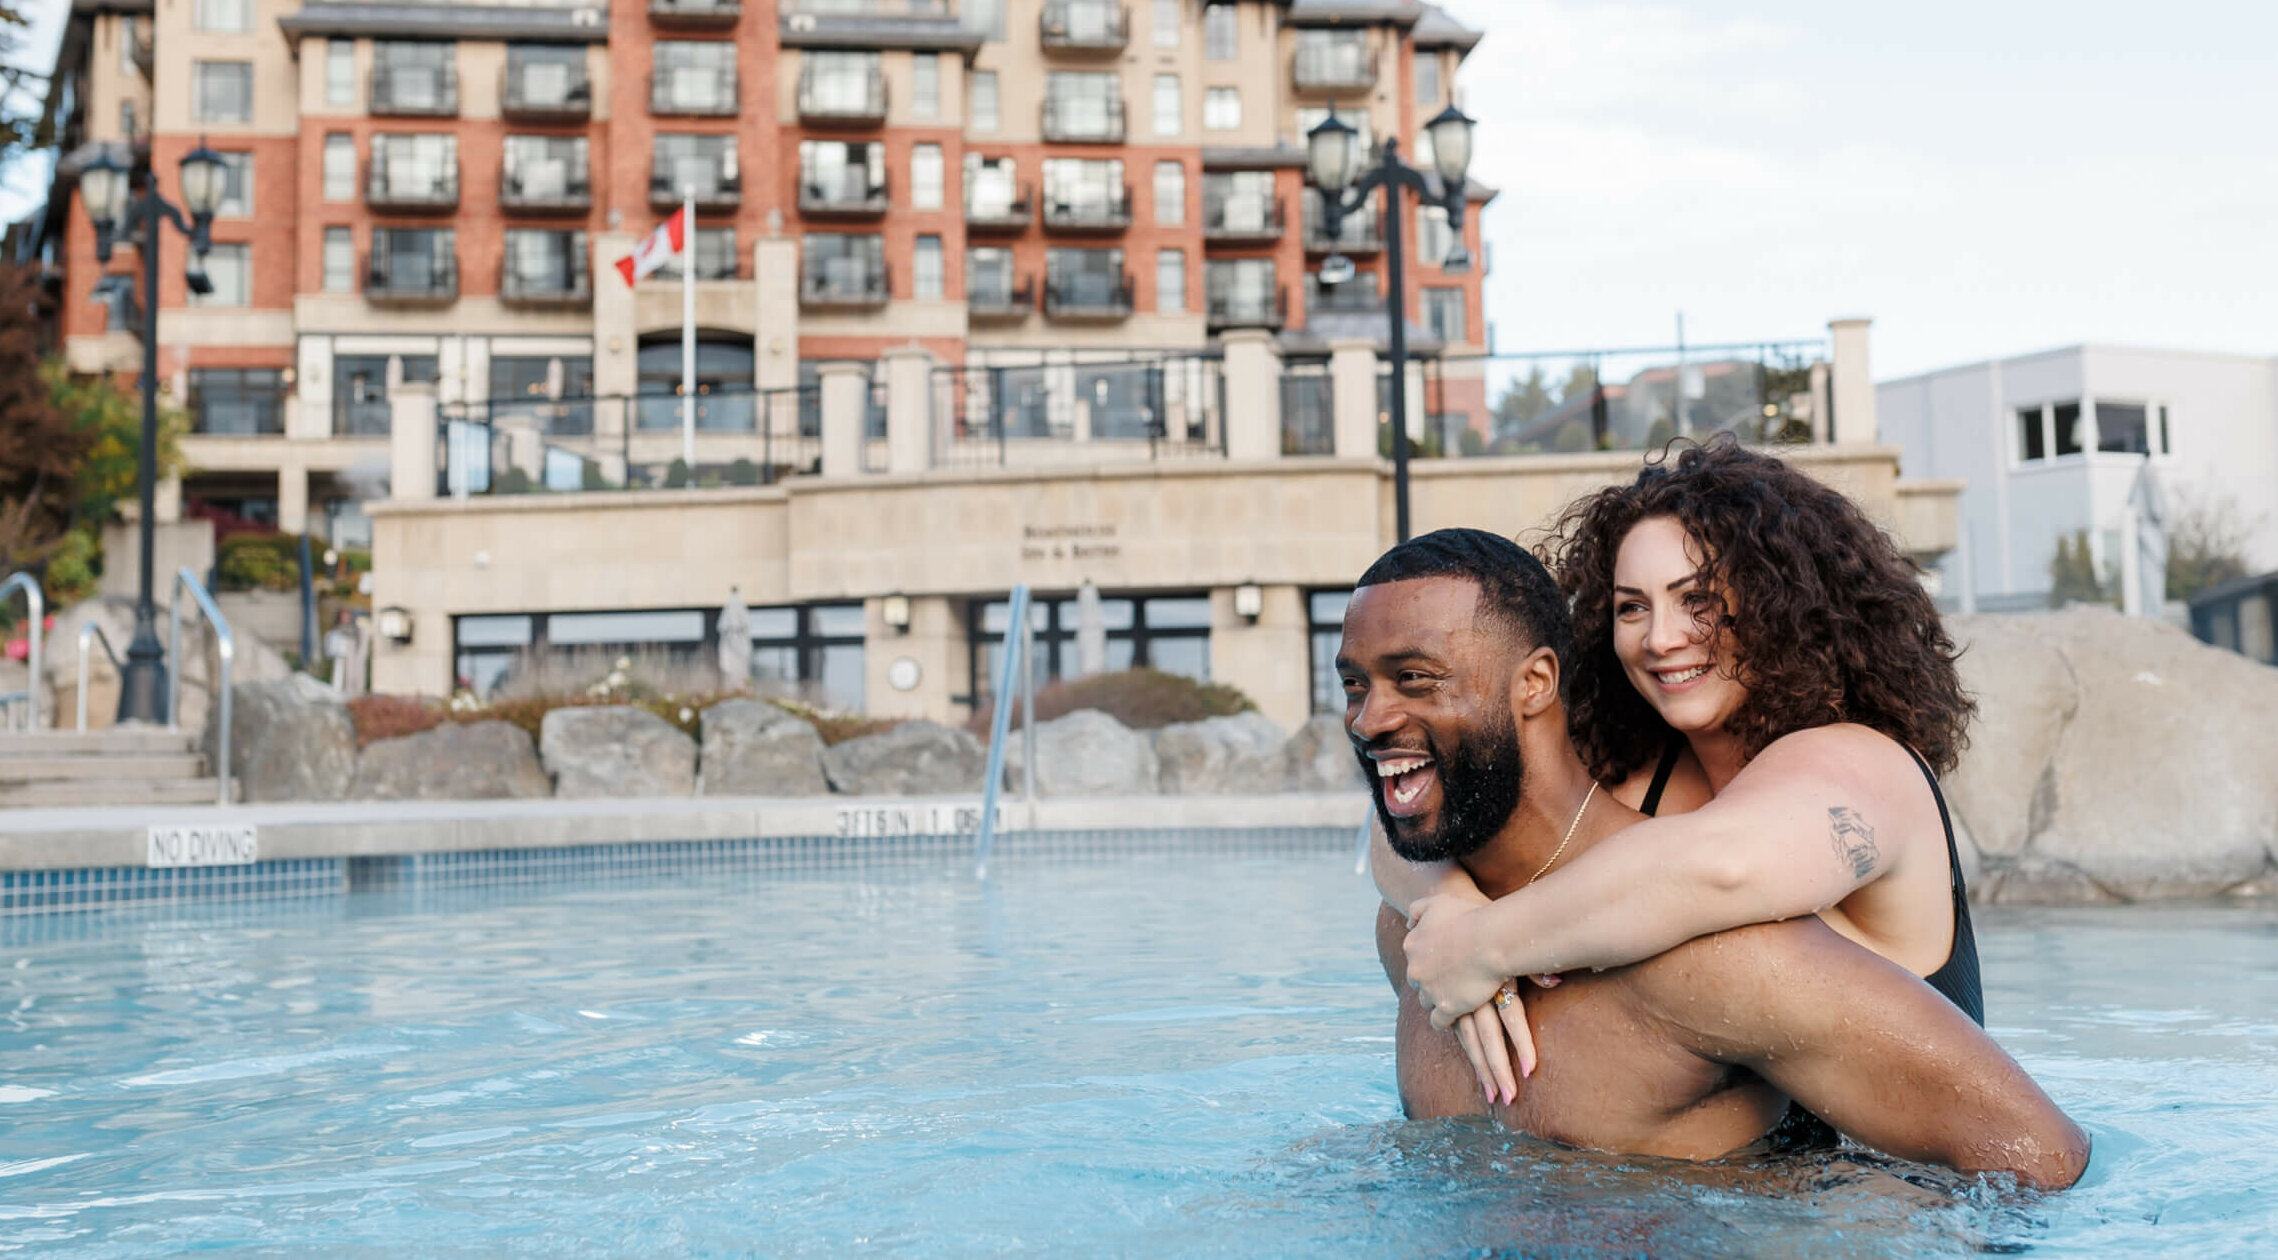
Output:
(1665, 627)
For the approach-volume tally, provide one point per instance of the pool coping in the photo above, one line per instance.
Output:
(51, 839)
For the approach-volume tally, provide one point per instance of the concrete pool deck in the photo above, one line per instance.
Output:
(117, 836)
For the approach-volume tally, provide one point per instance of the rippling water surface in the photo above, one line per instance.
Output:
(1186, 1055)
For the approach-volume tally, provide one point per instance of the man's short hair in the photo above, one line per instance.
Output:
(1514, 588)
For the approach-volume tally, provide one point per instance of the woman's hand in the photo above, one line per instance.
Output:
(1446, 962)
(1481, 1033)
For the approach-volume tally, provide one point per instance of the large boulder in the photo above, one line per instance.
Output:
(2114, 759)
(753, 748)
(913, 759)
(1220, 756)
(615, 750)
(1319, 758)
(453, 762)
(290, 739)
(1086, 753)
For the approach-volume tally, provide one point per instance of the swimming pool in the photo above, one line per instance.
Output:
(1185, 1053)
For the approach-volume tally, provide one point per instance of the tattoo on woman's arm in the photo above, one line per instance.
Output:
(1854, 839)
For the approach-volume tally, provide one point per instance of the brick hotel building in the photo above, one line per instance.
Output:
(431, 194)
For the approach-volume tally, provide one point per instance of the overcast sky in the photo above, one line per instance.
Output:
(1981, 178)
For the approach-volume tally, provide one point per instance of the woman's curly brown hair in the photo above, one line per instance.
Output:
(1832, 626)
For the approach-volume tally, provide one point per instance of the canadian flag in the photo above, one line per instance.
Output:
(670, 238)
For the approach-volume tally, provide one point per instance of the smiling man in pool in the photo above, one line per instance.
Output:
(1451, 667)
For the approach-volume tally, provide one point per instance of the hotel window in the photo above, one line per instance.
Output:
(230, 268)
(1220, 32)
(1434, 238)
(1166, 23)
(1311, 116)
(222, 15)
(1170, 194)
(985, 101)
(237, 402)
(340, 72)
(1166, 632)
(360, 405)
(1085, 190)
(1443, 314)
(988, 276)
(1222, 109)
(1170, 281)
(545, 262)
(705, 164)
(925, 86)
(221, 91)
(986, 17)
(716, 257)
(131, 37)
(2124, 428)
(339, 168)
(925, 177)
(696, 76)
(415, 76)
(1166, 104)
(925, 269)
(339, 260)
(1083, 105)
(1427, 78)
(1325, 624)
(991, 186)
(2032, 439)
(2067, 418)
(844, 266)
(236, 186)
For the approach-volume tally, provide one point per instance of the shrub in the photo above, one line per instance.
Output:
(391, 717)
(1142, 699)
(835, 728)
(259, 562)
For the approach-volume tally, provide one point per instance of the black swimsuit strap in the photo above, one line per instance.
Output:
(1945, 820)
(1661, 773)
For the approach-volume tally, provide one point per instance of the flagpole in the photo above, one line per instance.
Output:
(688, 331)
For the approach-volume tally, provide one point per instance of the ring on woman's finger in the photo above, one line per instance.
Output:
(1505, 996)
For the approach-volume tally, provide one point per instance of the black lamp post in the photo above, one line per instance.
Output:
(125, 204)
(1332, 162)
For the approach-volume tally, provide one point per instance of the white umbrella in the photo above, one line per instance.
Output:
(1091, 632)
(735, 641)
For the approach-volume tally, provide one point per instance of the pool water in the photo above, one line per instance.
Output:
(1156, 1054)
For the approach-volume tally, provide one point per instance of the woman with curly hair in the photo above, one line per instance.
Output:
(1746, 625)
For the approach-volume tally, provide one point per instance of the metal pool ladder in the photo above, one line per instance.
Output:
(225, 646)
(38, 609)
(1019, 650)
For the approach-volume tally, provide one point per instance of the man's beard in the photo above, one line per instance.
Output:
(1479, 787)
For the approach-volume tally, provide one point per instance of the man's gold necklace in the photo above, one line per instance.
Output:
(1561, 852)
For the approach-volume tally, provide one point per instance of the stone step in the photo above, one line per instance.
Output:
(68, 793)
(116, 740)
(113, 766)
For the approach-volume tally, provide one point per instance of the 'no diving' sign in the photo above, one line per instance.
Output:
(202, 846)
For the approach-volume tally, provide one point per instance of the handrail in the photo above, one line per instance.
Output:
(92, 629)
(225, 645)
(1018, 650)
(37, 606)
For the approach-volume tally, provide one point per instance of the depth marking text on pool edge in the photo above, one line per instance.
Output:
(858, 822)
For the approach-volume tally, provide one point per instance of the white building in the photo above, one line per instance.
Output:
(2053, 443)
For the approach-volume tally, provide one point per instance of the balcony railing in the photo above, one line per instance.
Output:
(1079, 119)
(694, 92)
(415, 91)
(837, 100)
(520, 288)
(997, 299)
(411, 190)
(690, 15)
(723, 192)
(1089, 214)
(831, 289)
(1359, 294)
(403, 282)
(999, 216)
(852, 197)
(1241, 220)
(1248, 310)
(371, 417)
(544, 92)
(1334, 68)
(1094, 299)
(1358, 233)
(534, 189)
(1084, 26)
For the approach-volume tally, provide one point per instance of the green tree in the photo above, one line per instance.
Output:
(19, 132)
(107, 412)
(1522, 403)
(2073, 578)
(41, 449)
(2206, 545)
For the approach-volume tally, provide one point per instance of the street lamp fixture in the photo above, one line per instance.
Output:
(1332, 163)
(123, 203)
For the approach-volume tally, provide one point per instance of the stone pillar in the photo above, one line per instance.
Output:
(933, 646)
(909, 409)
(775, 272)
(1270, 659)
(846, 393)
(1851, 389)
(310, 415)
(616, 365)
(1352, 382)
(166, 499)
(292, 498)
(1253, 394)
(412, 436)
